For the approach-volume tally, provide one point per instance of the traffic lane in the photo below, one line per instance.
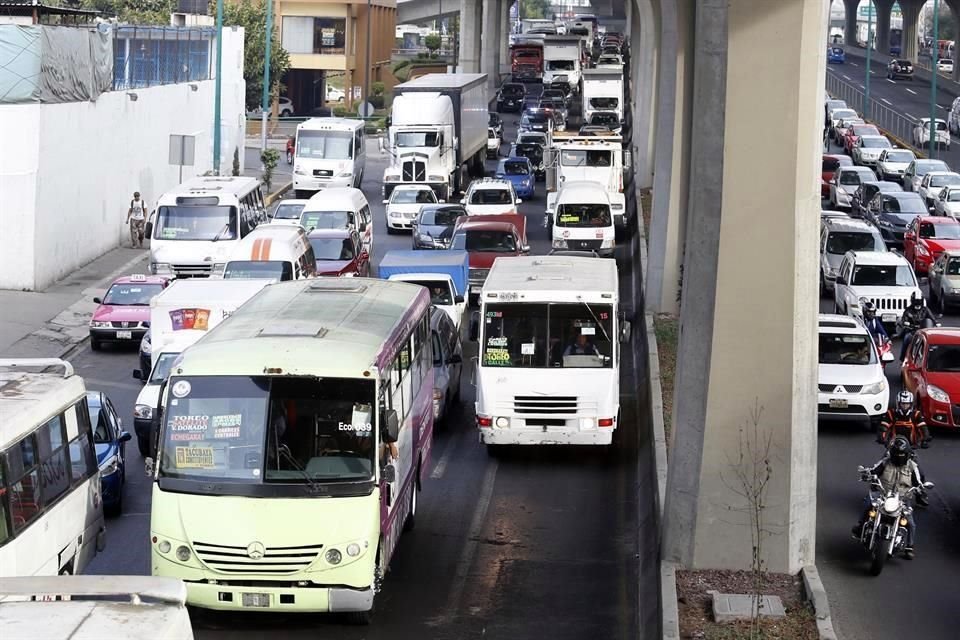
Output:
(927, 581)
(919, 86)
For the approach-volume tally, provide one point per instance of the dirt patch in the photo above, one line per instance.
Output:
(666, 328)
(646, 204)
(696, 617)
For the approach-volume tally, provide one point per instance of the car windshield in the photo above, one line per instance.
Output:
(839, 242)
(605, 119)
(490, 196)
(257, 269)
(532, 138)
(442, 216)
(439, 291)
(552, 93)
(923, 167)
(953, 267)
(485, 240)
(583, 215)
(941, 126)
(332, 249)
(411, 196)
(584, 158)
(899, 156)
(196, 223)
(840, 114)
(953, 195)
(942, 231)
(875, 143)
(161, 370)
(261, 430)
(538, 336)
(875, 275)
(288, 211)
(904, 205)
(416, 139)
(532, 152)
(864, 129)
(325, 145)
(533, 118)
(560, 65)
(326, 219)
(136, 294)
(512, 90)
(516, 168)
(852, 177)
(944, 180)
(845, 348)
(493, 120)
(943, 358)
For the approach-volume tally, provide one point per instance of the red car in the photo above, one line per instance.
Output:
(486, 238)
(124, 312)
(339, 252)
(831, 162)
(932, 373)
(854, 133)
(927, 237)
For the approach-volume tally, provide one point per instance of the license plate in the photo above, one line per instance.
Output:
(889, 317)
(124, 335)
(838, 403)
(255, 599)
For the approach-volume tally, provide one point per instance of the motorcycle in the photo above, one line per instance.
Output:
(884, 533)
(884, 349)
(289, 150)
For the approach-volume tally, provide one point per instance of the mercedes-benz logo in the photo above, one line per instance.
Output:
(256, 550)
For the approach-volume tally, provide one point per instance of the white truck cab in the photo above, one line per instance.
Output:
(596, 158)
(581, 218)
(884, 278)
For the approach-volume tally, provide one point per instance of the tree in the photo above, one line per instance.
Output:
(432, 42)
(252, 16)
(145, 12)
(534, 9)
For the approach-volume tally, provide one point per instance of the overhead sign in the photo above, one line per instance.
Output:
(865, 10)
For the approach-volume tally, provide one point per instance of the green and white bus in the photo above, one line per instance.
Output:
(294, 437)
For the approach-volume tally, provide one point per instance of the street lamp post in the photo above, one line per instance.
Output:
(366, 71)
(265, 106)
(866, 82)
(933, 82)
(218, 84)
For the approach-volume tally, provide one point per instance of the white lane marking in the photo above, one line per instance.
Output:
(891, 81)
(854, 64)
(887, 101)
(872, 72)
(912, 91)
(942, 107)
(441, 466)
(96, 382)
(846, 77)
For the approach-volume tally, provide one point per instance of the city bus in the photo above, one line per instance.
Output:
(330, 152)
(200, 223)
(51, 513)
(295, 436)
(549, 367)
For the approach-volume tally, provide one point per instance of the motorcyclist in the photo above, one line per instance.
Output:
(896, 470)
(874, 326)
(905, 420)
(914, 317)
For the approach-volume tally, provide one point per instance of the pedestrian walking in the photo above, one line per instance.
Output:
(136, 219)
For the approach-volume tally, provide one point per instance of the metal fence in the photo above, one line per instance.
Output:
(150, 56)
(894, 123)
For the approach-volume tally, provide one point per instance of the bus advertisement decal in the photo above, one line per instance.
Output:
(189, 423)
(195, 458)
(186, 436)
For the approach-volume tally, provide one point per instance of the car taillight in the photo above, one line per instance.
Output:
(484, 421)
(605, 422)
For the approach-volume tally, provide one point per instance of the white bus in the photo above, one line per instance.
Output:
(51, 514)
(549, 366)
(330, 152)
(201, 222)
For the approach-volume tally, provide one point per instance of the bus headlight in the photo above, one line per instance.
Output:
(164, 546)
(347, 173)
(218, 268)
(183, 553)
(333, 556)
(143, 411)
(353, 549)
(503, 422)
(436, 178)
(160, 268)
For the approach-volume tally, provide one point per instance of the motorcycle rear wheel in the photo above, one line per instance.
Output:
(878, 558)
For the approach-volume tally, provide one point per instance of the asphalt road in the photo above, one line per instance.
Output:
(915, 599)
(541, 542)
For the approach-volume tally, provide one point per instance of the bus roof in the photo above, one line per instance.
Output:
(330, 124)
(215, 185)
(350, 322)
(592, 277)
(206, 291)
(28, 399)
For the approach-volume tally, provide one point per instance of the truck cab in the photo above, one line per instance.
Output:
(526, 59)
(596, 158)
(581, 219)
(443, 273)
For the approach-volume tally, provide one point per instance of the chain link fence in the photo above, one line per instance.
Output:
(150, 56)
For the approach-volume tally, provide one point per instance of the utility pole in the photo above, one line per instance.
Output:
(265, 106)
(217, 89)
(935, 50)
(366, 71)
(866, 83)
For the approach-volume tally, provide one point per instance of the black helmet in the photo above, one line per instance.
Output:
(916, 300)
(869, 310)
(900, 451)
(905, 402)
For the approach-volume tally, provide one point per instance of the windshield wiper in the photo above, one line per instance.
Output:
(285, 452)
(595, 319)
(226, 227)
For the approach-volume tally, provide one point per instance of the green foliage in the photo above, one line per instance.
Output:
(152, 12)
(432, 42)
(377, 88)
(236, 161)
(269, 158)
(252, 16)
(535, 9)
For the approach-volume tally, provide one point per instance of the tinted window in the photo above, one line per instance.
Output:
(445, 216)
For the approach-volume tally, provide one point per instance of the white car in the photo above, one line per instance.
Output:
(893, 162)
(851, 384)
(884, 278)
(934, 182)
(284, 109)
(288, 211)
(493, 143)
(845, 182)
(867, 150)
(610, 62)
(945, 65)
(948, 202)
(404, 205)
(334, 94)
(921, 133)
(838, 235)
(490, 196)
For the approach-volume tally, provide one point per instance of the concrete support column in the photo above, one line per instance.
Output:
(883, 8)
(470, 36)
(489, 47)
(911, 23)
(955, 10)
(504, 37)
(850, 22)
(727, 371)
(646, 23)
(671, 155)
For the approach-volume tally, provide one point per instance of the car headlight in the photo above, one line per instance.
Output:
(143, 411)
(146, 346)
(422, 237)
(921, 250)
(160, 268)
(347, 173)
(110, 466)
(96, 324)
(503, 422)
(218, 268)
(876, 387)
(938, 394)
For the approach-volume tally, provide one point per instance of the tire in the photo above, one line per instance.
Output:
(411, 522)
(95, 345)
(942, 302)
(878, 558)
(115, 509)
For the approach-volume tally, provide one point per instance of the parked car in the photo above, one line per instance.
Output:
(339, 252)
(919, 168)
(109, 440)
(831, 162)
(334, 94)
(510, 97)
(931, 372)
(834, 116)
(900, 68)
(867, 149)
(944, 280)
(851, 384)
(933, 182)
(433, 226)
(284, 109)
(404, 204)
(845, 181)
(836, 55)
(495, 122)
(519, 171)
(829, 105)
(893, 162)
(893, 212)
(947, 202)
(447, 365)
(885, 278)
(124, 312)
(921, 133)
(866, 192)
(926, 238)
(838, 235)
(945, 65)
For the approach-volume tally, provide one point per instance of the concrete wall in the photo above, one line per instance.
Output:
(67, 187)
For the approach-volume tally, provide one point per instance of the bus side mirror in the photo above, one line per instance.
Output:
(389, 473)
(392, 424)
(625, 329)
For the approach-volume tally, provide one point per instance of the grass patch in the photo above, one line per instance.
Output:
(667, 329)
(646, 205)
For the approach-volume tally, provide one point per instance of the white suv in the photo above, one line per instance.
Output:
(851, 384)
(490, 196)
(837, 237)
(884, 278)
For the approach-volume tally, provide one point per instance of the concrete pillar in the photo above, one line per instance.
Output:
(726, 367)
(504, 37)
(883, 8)
(489, 47)
(911, 21)
(850, 22)
(646, 23)
(955, 10)
(672, 152)
(470, 36)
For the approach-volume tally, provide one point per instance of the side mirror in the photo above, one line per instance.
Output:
(389, 473)
(392, 424)
(98, 300)
(148, 230)
(455, 359)
(137, 374)
(841, 280)
(458, 299)
(626, 328)
(519, 201)
(928, 485)
(887, 357)
(125, 436)
(463, 201)
(386, 202)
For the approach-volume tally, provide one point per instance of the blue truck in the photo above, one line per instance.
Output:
(444, 272)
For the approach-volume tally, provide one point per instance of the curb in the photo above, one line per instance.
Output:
(817, 594)
(276, 195)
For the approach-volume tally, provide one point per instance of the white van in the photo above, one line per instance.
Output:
(200, 223)
(270, 252)
(340, 208)
(582, 218)
(329, 152)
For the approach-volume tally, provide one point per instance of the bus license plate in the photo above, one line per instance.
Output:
(124, 335)
(838, 403)
(255, 599)
(889, 317)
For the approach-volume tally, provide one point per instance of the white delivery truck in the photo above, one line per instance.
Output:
(563, 56)
(330, 152)
(179, 316)
(596, 158)
(437, 132)
(602, 91)
(582, 220)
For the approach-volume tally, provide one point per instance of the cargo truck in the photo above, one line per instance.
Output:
(563, 55)
(602, 91)
(526, 59)
(437, 132)
(596, 158)
(444, 273)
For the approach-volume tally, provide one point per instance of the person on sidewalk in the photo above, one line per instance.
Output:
(136, 219)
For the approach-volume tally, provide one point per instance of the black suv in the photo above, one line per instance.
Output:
(900, 69)
(510, 97)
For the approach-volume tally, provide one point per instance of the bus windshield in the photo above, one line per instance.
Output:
(262, 430)
(325, 145)
(546, 335)
(209, 223)
(583, 215)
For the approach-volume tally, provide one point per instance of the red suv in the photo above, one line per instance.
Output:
(932, 373)
(927, 237)
(339, 252)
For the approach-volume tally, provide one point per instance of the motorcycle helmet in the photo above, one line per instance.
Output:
(916, 300)
(905, 402)
(869, 310)
(900, 451)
